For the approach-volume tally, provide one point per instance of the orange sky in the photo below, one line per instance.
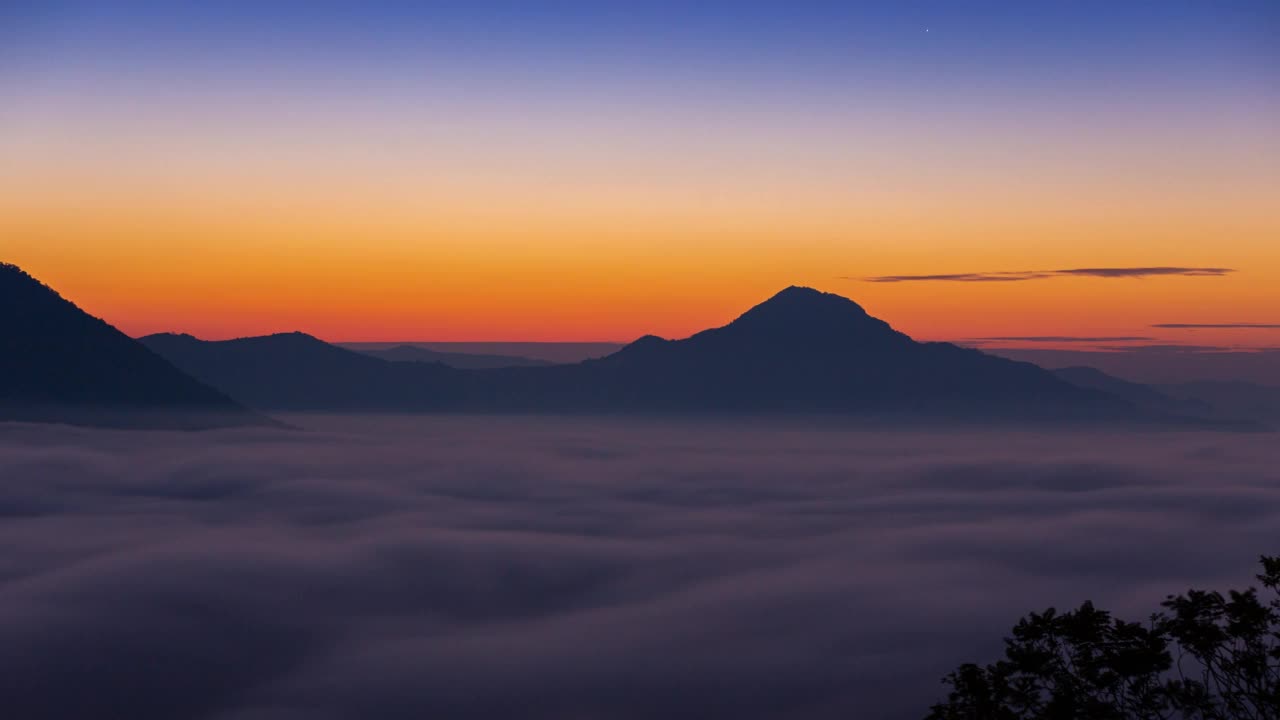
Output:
(350, 244)
(549, 273)
(440, 214)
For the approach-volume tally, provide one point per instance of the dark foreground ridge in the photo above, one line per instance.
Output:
(801, 351)
(59, 364)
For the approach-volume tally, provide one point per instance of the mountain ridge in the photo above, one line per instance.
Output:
(297, 371)
(466, 361)
(801, 350)
(58, 363)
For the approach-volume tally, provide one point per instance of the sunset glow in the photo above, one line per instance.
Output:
(400, 180)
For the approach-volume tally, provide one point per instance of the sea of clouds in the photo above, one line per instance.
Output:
(501, 567)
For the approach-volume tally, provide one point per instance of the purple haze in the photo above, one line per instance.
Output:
(496, 567)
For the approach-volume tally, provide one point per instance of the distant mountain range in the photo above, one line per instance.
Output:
(466, 361)
(295, 371)
(555, 353)
(1210, 399)
(1143, 396)
(800, 351)
(1229, 399)
(1161, 364)
(59, 364)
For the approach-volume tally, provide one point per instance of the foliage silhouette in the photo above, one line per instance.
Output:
(1205, 656)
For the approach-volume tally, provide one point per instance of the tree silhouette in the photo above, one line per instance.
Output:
(1205, 656)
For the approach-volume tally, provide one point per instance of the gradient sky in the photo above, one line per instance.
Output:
(596, 171)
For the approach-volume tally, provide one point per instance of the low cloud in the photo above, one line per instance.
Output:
(1197, 326)
(1059, 339)
(960, 277)
(1018, 276)
(1173, 349)
(1141, 272)
(490, 567)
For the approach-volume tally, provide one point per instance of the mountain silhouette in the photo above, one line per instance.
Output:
(801, 351)
(295, 371)
(805, 350)
(60, 364)
(1143, 396)
(1230, 400)
(468, 361)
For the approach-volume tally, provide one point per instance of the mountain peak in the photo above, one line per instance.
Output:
(797, 313)
(292, 336)
(799, 291)
(62, 364)
(798, 298)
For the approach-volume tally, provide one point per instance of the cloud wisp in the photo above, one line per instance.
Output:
(1060, 339)
(1180, 349)
(486, 567)
(1019, 276)
(1218, 326)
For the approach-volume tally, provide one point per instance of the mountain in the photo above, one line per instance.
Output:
(1161, 364)
(801, 351)
(553, 353)
(471, 361)
(59, 364)
(1234, 400)
(1143, 396)
(1226, 402)
(808, 351)
(295, 371)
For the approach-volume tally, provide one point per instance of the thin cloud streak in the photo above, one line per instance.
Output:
(1218, 326)
(1141, 272)
(958, 277)
(1173, 348)
(1060, 339)
(1022, 275)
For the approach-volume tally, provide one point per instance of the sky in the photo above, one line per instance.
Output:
(587, 171)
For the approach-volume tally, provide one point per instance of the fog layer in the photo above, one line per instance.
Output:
(490, 567)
